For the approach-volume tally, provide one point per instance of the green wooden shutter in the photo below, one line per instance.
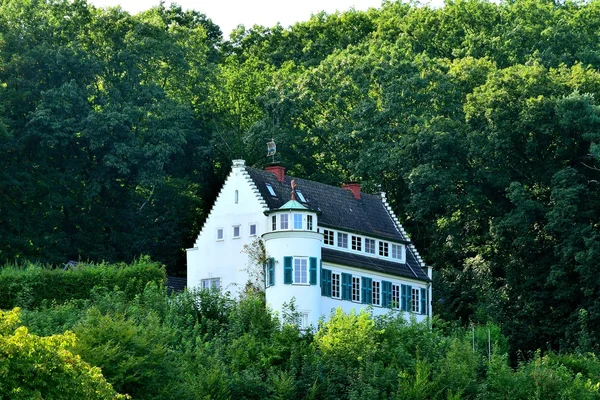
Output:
(424, 301)
(367, 290)
(403, 300)
(409, 297)
(313, 270)
(346, 286)
(271, 279)
(321, 272)
(326, 282)
(386, 292)
(287, 270)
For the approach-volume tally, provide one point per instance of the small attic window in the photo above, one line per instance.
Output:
(300, 196)
(270, 189)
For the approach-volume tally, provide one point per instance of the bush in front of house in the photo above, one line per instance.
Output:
(32, 285)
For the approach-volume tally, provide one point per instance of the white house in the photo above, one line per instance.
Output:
(327, 246)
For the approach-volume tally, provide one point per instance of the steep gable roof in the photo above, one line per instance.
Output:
(338, 208)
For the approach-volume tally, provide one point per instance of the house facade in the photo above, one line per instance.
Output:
(326, 247)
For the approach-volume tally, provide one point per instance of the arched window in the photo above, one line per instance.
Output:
(237, 197)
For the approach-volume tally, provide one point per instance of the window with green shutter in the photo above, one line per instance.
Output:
(271, 272)
(367, 290)
(386, 294)
(287, 270)
(313, 271)
(326, 282)
(346, 286)
(404, 298)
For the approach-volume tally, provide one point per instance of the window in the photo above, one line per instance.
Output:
(395, 296)
(237, 196)
(397, 251)
(211, 283)
(273, 223)
(356, 243)
(219, 233)
(383, 249)
(370, 246)
(376, 293)
(283, 221)
(335, 285)
(270, 273)
(355, 288)
(342, 240)
(328, 237)
(297, 221)
(270, 189)
(415, 300)
(236, 232)
(303, 320)
(300, 270)
(300, 196)
(309, 226)
(252, 229)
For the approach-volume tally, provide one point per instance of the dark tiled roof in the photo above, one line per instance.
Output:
(338, 207)
(409, 270)
(176, 284)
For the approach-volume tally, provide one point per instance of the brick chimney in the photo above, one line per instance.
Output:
(354, 187)
(276, 169)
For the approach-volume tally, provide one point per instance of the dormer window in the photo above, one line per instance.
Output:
(300, 196)
(270, 189)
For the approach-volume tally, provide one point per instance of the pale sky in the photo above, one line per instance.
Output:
(228, 14)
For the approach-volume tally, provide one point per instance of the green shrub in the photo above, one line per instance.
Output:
(32, 285)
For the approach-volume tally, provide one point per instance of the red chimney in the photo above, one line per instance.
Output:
(354, 187)
(278, 170)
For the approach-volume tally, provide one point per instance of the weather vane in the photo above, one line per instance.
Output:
(271, 149)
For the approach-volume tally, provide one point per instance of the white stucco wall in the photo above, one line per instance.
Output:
(294, 244)
(211, 258)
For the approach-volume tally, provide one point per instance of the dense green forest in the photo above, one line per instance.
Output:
(480, 120)
(147, 344)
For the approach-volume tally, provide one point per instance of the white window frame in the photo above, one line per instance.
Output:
(250, 227)
(396, 297)
(372, 243)
(344, 240)
(397, 251)
(376, 293)
(356, 289)
(357, 243)
(221, 233)
(328, 234)
(295, 219)
(415, 300)
(384, 249)
(239, 231)
(283, 221)
(309, 223)
(210, 283)
(336, 285)
(274, 223)
(300, 263)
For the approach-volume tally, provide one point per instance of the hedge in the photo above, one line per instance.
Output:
(32, 285)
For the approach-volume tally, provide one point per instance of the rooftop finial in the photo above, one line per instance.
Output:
(293, 195)
(271, 149)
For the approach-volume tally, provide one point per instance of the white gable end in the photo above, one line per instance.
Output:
(217, 257)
